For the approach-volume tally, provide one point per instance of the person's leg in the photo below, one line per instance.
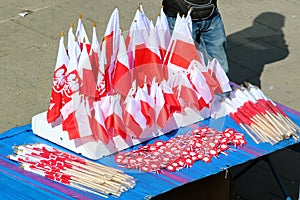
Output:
(213, 38)
(171, 21)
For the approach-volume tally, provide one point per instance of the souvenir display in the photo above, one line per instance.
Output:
(72, 170)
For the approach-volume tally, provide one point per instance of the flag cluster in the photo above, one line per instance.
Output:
(72, 170)
(181, 151)
(126, 84)
(259, 116)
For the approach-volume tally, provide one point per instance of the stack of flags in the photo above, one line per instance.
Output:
(72, 170)
(126, 84)
(259, 116)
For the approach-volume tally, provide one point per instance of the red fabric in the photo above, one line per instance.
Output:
(121, 79)
(148, 112)
(131, 124)
(116, 123)
(172, 102)
(71, 126)
(108, 40)
(99, 132)
(56, 100)
(146, 64)
(183, 54)
(162, 116)
(88, 86)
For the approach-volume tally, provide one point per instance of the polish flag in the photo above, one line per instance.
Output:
(81, 34)
(163, 33)
(88, 83)
(182, 49)
(122, 74)
(147, 105)
(145, 19)
(94, 53)
(136, 36)
(170, 98)
(220, 76)
(161, 109)
(113, 116)
(134, 120)
(71, 96)
(97, 123)
(56, 100)
(147, 60)
(71, 37)
(199, 84)
(207, 74)
(185, 93)
(109, 48)
(153, 88)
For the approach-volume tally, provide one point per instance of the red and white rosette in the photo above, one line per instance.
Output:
(181, 151)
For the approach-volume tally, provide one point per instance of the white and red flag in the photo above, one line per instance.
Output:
(170, 98)
(71, 96)
(56, 100)
(94, 53)
(109, 48)
(161, 108)
(134, 120)
(97, 123)
(113, 116)
(71, 38)
(147, 60)
(219, 75)
(122, 77)
(147, 105)
(146, 20)
(138, 31)
(163, 33)
(81, 34)
(199, 84)
(185, 92)
(181, 51)
(88, 83)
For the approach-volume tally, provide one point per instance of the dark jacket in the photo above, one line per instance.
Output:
(201, 9)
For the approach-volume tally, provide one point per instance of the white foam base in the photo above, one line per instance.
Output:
(95, 150)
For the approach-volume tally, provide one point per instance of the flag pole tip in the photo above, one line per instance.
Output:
(80, 15)
(62, 33)
(72, 24)
(95, 24)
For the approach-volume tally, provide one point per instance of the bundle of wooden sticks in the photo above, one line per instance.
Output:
(72, 170)
(259, 116)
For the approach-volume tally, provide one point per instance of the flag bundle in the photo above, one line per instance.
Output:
(259, 116)
(128, 84)
(182, 151)
(72, 170)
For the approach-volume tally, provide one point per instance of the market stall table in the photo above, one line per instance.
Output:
(17, 183)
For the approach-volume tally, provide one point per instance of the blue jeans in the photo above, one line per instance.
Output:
(211, 37)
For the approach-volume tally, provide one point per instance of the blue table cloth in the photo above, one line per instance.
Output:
(15, 183)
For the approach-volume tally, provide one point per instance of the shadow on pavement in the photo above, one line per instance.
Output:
(249, 50)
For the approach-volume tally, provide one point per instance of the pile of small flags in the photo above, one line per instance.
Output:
(181, 151)
(72, 170)
(259, 116)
